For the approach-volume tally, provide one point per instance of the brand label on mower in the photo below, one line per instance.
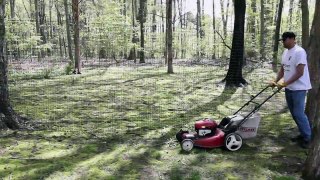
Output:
(247, 129)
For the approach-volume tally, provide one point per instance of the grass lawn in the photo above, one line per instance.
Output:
(120, 122)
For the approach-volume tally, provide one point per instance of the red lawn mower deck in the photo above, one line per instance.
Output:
(229, 133)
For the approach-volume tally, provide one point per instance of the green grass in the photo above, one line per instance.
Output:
(120, 123)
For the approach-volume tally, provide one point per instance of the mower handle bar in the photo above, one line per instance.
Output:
(253, 97)
(259, 105)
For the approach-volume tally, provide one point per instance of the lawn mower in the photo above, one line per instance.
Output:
(229, 133)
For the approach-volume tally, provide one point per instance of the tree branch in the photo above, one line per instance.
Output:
(223, 40)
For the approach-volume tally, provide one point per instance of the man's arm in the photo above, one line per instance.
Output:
(280, 74)
(297, 75)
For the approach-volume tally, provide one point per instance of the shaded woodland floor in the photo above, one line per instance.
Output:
(118, 121)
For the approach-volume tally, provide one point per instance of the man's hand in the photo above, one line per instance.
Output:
(281, 85)
(272, 83)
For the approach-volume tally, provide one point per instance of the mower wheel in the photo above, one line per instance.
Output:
(233, 142)
(187, 145)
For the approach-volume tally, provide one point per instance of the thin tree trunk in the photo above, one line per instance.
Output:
(154, 28)
(36, 14)
(290, 15)
(68, 31)
(224, 14)
(132, 55)
(163, 32)
(169, 35)
(50, 19)
(277, 32)
(181, 27)
(12, 10)
(262, 30)
(214, 31)
(75, 10)
(312, 165)
(42, 25)
(252, 23)
(305, 23)
(142, 60)
(142, 19)
(198, 28)
(59, 19)
(8, 117)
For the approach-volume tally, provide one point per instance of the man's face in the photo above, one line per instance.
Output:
(288, 42)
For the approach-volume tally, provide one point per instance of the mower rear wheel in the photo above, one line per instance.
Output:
(233, 142)
(187, 145)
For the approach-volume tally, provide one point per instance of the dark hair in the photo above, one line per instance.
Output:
(286, 35)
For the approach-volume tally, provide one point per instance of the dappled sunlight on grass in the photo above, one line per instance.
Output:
(120, 123)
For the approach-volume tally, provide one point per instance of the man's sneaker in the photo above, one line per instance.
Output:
(297, 138)
(305, 144)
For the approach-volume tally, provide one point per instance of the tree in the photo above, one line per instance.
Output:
(214, 30)
(154, 27)
(305, 23)
(262, 30)
(169, 35)
(276, 34)
(59, 20)
(66, 9)
(12, 10)
(290, 14)
(181, 27)
(134, 40)
(225, 16)
(142, 20)
(75, 10)
(234, 75)
(198, 28)
(8, 117)
(312, 165)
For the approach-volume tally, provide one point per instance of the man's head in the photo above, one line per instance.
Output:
(288, 39)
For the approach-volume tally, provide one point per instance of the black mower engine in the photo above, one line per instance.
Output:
(205, 127)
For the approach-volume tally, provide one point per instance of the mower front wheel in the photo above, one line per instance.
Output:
(233, 142)
(187, 145)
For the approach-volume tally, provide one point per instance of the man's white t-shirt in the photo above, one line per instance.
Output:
(291, 58)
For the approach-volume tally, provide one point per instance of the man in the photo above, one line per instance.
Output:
(294, 71)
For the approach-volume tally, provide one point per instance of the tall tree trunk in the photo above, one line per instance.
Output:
(163, 32)
(142, 19)
(314, 64)
(277, 32)
(50, 19)
(252, 24)
(66, 9)
(169, 35)
(305, 23)
(198, 28)
(42, 24)
(154, 28)
(75, 10)
(12, 6)
(214, 31)
(234, 76)
(262, 30)
(134, 40)
(224, 14)
(181, 27)
(59, 19)
(36, 14)
(142, 58)
(290, 15)
(8, 117)
(15, 42)
(312, 165)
